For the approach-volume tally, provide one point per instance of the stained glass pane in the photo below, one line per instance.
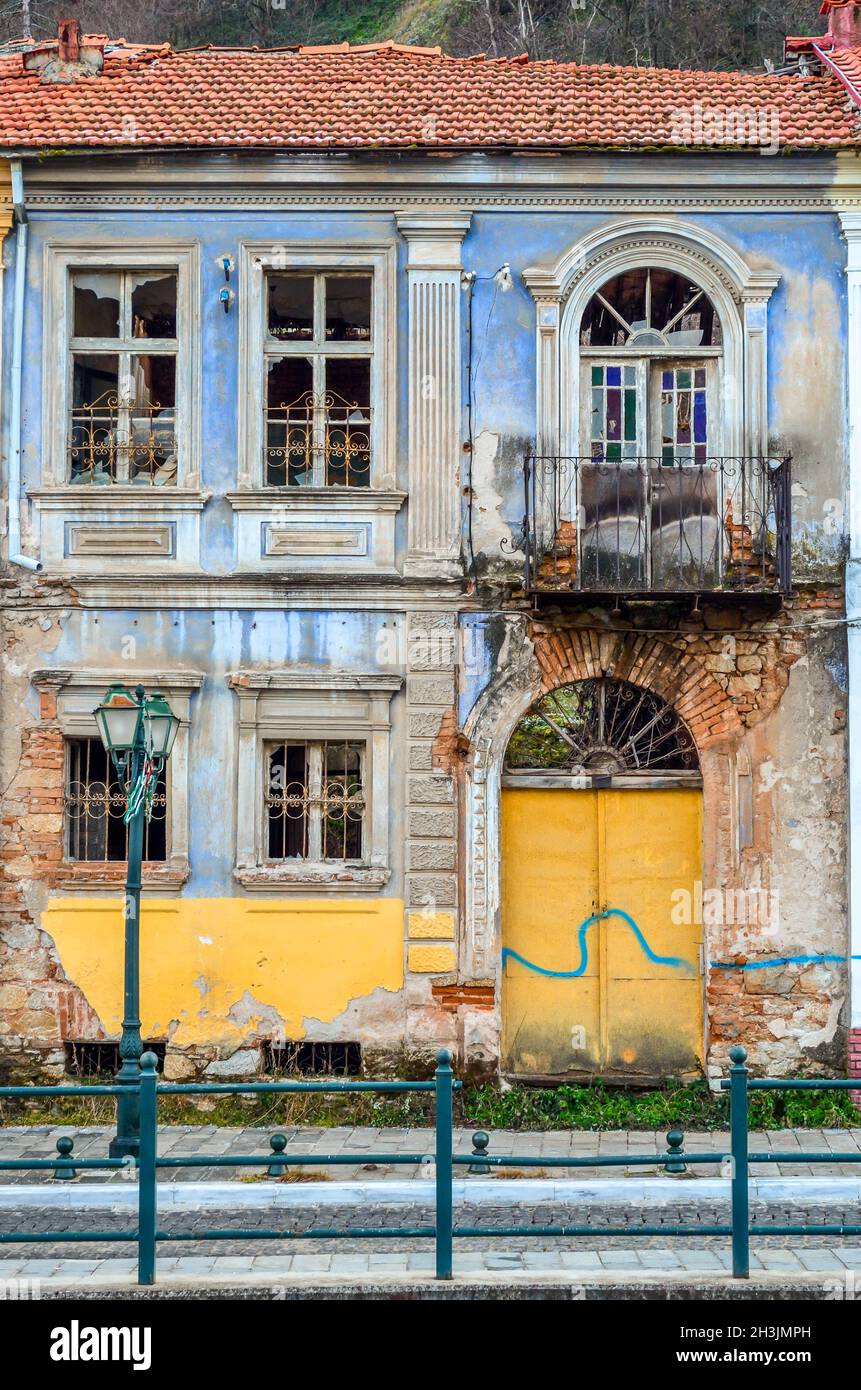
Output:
(597, 414)
(614, 414)
(700, 376)
(684, 415)
(630, 413)
(700, 417)
(613, 411)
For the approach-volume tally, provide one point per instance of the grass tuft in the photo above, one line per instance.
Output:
(589, 1107)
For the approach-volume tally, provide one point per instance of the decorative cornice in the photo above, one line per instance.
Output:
(817, 200)
(434, 224)
(264, 590)
(648, 236)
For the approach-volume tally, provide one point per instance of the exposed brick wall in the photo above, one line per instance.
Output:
(720, 673)
(33, 991)
(457, 995)
(39, 1006)
(855, 1061)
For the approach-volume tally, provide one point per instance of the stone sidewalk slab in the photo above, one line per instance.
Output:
(579, 1275)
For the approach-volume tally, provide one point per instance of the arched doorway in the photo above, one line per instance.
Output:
(601, 843)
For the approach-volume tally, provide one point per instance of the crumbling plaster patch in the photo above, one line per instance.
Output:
(490, 532)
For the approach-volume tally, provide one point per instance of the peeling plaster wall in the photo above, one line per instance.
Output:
(418, 981)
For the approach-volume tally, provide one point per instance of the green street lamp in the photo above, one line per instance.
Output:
(138, 732)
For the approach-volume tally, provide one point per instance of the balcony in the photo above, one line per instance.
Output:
(651, 527)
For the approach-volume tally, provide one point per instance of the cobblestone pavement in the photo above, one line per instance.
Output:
(371, 1149)
(839, 1266)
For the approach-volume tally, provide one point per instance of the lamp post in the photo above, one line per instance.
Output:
(138, 731)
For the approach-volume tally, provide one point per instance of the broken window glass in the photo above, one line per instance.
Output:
(95, 417)
(290, 411)
(153, 306)
(96, 304)
(348, 307)
(290, 301)
(95, 802)
(649, 307)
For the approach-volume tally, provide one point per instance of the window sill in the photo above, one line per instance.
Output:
(313, 878)
(91, 877)
(97, 496)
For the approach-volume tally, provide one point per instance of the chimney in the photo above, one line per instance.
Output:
(69, 40)
(844, 22)
(68, 57)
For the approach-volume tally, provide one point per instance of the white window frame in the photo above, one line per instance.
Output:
(739, 294)
(77, 694)
(279, 706)
(318, 352)
(256, 260)
(61, 261)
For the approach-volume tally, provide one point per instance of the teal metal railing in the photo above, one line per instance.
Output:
(739, 1085)
(147, 1235)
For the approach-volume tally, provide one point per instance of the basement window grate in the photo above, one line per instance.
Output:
(313, 1058)
(103, 1058)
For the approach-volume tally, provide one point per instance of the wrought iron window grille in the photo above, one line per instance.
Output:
(95, 804)
(318, 440)
(315, 803)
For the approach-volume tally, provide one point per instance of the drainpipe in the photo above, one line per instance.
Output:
(22, 229)
(851, 222)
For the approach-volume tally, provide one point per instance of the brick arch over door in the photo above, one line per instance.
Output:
(537, 658)
(572, 654)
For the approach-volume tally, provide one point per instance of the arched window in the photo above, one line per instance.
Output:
(601, 725)
(651, 350)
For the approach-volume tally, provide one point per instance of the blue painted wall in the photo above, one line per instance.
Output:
(806, 343)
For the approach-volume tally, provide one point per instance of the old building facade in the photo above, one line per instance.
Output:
(473, 484)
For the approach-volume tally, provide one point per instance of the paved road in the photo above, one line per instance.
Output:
(372, 1148)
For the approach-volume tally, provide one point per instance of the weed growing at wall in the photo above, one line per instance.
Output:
(692, 1107)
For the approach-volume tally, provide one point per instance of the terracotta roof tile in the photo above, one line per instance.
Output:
(393, 97)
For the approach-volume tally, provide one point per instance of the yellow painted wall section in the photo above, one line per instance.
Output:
(216, 970)
(5, 197)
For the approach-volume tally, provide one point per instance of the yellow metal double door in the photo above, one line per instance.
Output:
(621, 996)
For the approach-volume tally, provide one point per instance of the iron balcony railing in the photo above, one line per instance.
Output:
(649, 525)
